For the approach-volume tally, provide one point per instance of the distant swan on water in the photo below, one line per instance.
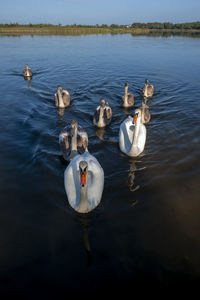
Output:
(148, 89)
(145, 113)
(128, 98)
(62, 97)
(27, 71)
(73, 140)
(103, 114)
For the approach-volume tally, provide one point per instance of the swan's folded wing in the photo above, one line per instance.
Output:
(142, 137)
(130, 98)
(70, 187)
(72, 182)
(151, 87)
(121, 139)
(82, 140)
(65, 143)
(66, 97)
(95, 181)
(107, 121)
(147, 115)
(108, 112)
(126, 134)
(150, 90)
(96, 115)
(30, 72)
(56, 99)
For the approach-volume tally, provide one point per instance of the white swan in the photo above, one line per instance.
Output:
(103, 114)
(132, 135)
(73, 140)
(62, 97)
(84, 182)
(128, 98)
(148, 89)
(27, 71)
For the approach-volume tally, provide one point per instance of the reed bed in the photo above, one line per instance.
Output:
(58, 30)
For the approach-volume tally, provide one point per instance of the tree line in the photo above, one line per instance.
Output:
(167, 25)
(152, 25)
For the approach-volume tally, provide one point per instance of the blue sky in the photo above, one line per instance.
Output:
(98, 11)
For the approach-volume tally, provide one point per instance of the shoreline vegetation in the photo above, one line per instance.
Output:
(155, 29)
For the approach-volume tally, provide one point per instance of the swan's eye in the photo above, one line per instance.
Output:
(85, 169)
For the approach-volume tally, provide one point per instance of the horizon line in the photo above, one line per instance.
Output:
(76, 24)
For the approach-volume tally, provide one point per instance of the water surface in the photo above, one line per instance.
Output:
(145, 232)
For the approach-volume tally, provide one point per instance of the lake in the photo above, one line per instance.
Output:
(145, 234)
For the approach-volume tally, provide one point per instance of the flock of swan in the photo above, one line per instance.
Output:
(84, 176)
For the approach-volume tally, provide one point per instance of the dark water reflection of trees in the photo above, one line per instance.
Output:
(159, 33)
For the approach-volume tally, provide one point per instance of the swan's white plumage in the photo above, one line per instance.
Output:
(126, 135)
(95, 181)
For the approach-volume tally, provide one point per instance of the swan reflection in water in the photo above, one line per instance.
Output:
(85, 222)
(131, 175)
(28, 78)
(100, 133)
(83, 219)
(131, 179)
(59, 121)
(85, 227)
(61, 113)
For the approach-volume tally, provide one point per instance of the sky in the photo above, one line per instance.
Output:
(92, 12)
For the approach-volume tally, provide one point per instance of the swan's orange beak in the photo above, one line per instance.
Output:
(135, 119)
(83, 178)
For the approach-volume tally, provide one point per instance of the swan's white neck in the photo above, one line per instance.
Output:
(60, 100)
(74, 139)
(134, 145)
(101, 119)
(136, 131)
(145, 89)
(83, 204)
(126, 95)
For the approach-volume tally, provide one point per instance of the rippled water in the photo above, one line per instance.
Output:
(146, 231)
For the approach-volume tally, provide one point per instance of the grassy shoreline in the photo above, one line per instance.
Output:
(51, 30)
(76, 30)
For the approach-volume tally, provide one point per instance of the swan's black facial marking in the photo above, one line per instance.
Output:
(83, 172)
